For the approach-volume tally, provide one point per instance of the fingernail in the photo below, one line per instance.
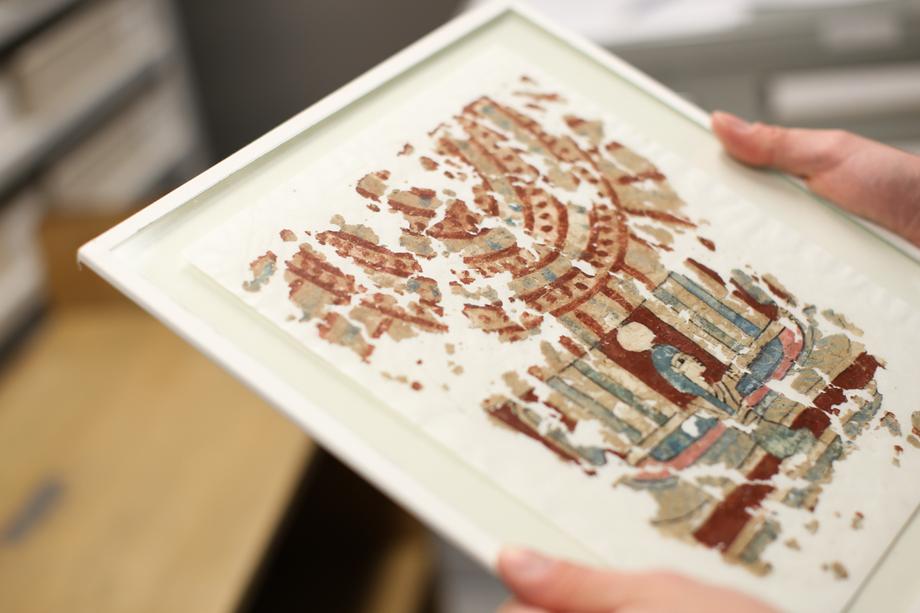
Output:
(732, 122)
(527, 565)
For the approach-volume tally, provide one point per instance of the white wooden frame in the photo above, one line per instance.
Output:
(466, 532)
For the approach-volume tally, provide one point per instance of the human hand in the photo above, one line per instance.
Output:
(544, 585)
(864, 177)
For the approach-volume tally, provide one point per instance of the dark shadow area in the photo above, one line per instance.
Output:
(333, 549)
(258, 62)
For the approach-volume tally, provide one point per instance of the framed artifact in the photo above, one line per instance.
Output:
(515, 284)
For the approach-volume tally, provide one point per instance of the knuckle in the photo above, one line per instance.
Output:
(835, 141)
(839, 138)
(665, 577)
(771, 140)
(834, 145)
(570, 583)
(566, 580)
(768, 131)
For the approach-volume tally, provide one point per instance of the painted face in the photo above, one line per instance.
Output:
(690, 367)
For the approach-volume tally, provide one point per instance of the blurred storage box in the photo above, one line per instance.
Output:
(19, 16)
(119, 164)
(21, 269)
(85, 50)
(8, 106)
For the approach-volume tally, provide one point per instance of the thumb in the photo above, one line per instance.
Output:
(796, 151)
(550, 584)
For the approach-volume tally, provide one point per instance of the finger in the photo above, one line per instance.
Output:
(555, 585)
(515, 606)
(796, 151)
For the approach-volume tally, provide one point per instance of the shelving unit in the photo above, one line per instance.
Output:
(73, 76)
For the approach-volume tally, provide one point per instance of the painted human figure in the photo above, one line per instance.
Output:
(685, 373)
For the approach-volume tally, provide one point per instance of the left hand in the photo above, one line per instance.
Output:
(864, 177)
(544, 585)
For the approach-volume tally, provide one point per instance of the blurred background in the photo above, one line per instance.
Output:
(136, 476)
